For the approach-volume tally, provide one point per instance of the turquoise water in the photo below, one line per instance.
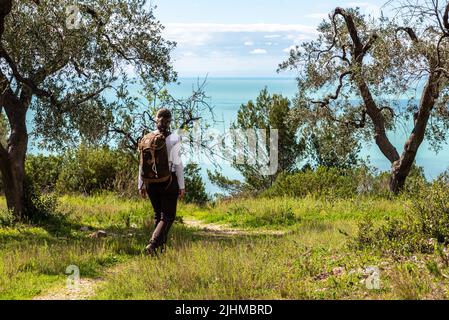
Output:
(227, 95)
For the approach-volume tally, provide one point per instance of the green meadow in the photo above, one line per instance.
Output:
(283, 248)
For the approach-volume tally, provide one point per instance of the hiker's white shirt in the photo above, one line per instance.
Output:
(173, 142)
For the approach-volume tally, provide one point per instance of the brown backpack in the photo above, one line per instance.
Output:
(154, 158)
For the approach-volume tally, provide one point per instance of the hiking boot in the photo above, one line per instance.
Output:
(151, 250)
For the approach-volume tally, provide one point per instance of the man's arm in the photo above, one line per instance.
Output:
(140, 184)
(179, 167)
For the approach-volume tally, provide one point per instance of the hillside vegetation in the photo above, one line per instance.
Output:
(322, 250)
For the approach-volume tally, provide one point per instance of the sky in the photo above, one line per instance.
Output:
(243, 38)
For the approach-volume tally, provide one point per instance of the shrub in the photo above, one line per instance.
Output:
(322, 182)
(6, 218)
(39, 208)
(398, 236)
(415, 181)
(125, 181)
(88, 170)
(341, 183)
(195, 188)
(431, 209)
(366, 234)
(44, 170)
(425, 226)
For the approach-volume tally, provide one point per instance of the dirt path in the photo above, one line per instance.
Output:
(83, 291)
(86, 287)
(225, 230)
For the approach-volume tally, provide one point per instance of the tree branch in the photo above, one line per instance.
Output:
(334, 38)
(359, 52)
(352, 29)
(6, 93)
(446, 18)
(28, 82)
(101, 24)
(440, 41)
(410, 32)
(127, 135)
(334, 96)
(393, 114)
(370, 43)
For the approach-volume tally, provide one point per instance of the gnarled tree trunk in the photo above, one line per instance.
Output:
(13, 173)
(401, 167)
(12, 156)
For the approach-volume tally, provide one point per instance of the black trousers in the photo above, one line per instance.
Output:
(164, 198)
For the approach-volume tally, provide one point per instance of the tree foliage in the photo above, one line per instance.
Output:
(369, 64)
(76, 78)
(327, 143)
(81, 75)
(44, 170)
(267, 112)
(196, 190)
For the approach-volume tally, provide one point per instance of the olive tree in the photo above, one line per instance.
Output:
(369, 64)
(66, 66)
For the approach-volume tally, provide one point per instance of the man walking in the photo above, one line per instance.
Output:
(161, 177)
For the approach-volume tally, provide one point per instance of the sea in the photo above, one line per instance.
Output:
(226, 95)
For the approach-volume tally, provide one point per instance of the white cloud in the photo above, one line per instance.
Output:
(317, 15)
(293, 47)
(218, 54)
(199, 34)
(228, 66)
(272, 36)
(226, 49)
(259, 51)
(189, 54)
(298, 38)
(177, 28)
(189, 38)
(367, 8)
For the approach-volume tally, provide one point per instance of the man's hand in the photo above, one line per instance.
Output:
(182, 193)
(143, 193)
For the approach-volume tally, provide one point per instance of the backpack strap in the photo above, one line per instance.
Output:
(153, 160)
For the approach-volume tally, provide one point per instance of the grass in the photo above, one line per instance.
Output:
(34, 258)
(311, 261)
(286, 211)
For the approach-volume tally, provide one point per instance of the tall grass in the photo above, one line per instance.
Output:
(312, 261)
(283, 212)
